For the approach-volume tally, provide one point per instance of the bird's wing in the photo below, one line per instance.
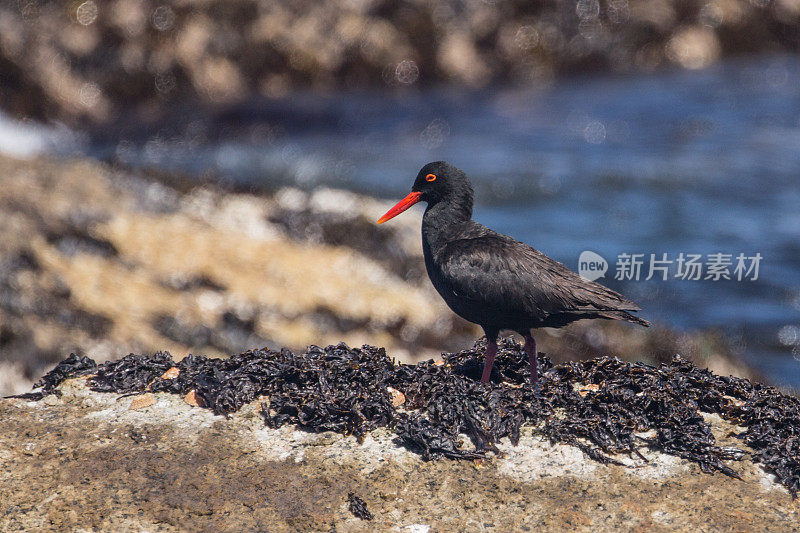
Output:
(502, 273)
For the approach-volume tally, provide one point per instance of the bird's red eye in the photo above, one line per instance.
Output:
(430, 177)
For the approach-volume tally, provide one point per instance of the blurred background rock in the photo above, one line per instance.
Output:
(102, 262)
(163, 186)
(97, 62)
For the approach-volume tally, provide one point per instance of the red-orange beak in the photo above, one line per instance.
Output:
(401, 206)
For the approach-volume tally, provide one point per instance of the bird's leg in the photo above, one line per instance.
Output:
(491, 352)
(530, 349)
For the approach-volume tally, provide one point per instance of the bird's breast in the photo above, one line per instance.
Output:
(460, 304)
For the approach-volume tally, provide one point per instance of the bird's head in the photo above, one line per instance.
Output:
(435, 182)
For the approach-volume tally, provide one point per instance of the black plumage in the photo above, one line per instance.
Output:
(493, 280)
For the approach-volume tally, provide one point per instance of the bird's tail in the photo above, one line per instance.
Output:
(626, 316)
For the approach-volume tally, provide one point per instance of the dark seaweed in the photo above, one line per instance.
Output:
(71, 367)
(358, 507)
(132, 373)
(603, 406)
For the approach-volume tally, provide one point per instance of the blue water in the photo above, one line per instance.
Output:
(694, 162)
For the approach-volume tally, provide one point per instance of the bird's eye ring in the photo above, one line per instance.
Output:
(430, 177)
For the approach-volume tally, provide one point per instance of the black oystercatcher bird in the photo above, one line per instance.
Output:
(493, 280)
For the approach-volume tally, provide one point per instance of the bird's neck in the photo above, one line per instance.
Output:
(443, 218)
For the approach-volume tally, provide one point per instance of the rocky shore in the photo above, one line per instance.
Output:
(105, 261)
(91, 62)
(82, 459)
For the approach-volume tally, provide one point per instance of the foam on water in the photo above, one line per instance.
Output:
(25, 139)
